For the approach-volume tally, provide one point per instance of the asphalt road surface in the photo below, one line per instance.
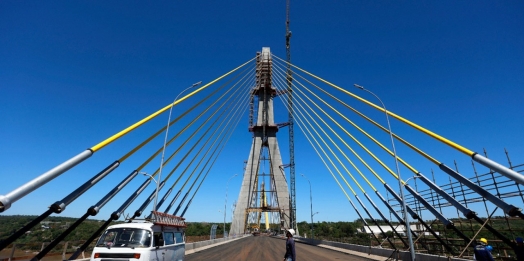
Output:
(263, 248)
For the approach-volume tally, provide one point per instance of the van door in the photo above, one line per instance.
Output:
(180, 246)
(169, 244)
(158, 252)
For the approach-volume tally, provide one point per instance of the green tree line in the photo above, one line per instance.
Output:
(343, 231)
(52, 227)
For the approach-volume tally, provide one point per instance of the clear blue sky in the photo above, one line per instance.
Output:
(74, 73)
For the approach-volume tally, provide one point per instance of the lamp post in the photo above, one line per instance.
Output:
(165, 138)
(313, 225)
(156, 182)
(311, 203)
(227, 185)
(220, 211)
(405, 211)
(407, 180)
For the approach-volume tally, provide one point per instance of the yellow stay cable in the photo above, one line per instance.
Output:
(323, 151)
(353, 138)
(413, 125)
(171, 123)
(205, 133)
(356, 140)
(207, 120)
(232, 126)
(340, 138)
(185, 128)
(148, 118)
(433, 160)
(366, 134)
(333, 142)
(422, 153)
(219, 136)
(327, 166)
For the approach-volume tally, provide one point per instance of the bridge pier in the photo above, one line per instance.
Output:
(264, 150)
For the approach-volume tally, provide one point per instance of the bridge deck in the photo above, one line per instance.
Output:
(268, 248)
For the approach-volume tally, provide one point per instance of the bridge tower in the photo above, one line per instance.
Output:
(264, 165)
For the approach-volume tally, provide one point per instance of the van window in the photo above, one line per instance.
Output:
(169, 238)
(179, 237)
(158, 238)
(125, 237)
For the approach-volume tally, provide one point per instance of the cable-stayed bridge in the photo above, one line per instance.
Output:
(349, 143)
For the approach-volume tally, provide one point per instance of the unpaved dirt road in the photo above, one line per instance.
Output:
(263, 248)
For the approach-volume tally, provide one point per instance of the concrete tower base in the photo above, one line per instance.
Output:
(264, 150)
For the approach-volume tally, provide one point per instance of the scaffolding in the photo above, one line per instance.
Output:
(492, 216)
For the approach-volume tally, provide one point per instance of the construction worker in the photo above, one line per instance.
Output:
(481, 253)
(290, 246)
(519, 250)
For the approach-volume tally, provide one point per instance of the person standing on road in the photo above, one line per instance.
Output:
(481, 253)
(519, 250)
(290, 246)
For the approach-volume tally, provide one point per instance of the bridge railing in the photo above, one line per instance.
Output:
(377, 251)
(27, 251)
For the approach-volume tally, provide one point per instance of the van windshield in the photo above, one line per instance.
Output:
(125, 237)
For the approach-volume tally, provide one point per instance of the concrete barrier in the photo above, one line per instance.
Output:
(383, 252)
(195, 245)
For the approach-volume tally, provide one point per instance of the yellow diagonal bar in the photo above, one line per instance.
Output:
(332, 141)
(333, 164)
(205, 133)
(224, 94)
(329, 169)
(328, 147)
(323, 151)
(363, 132)
(338, 136)
(354, 139)
(170, 124)
(148, 118)
(413, 125)
(325, 164)
(422, 153)
(435, 161)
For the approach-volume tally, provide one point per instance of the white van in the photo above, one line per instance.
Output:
(162, 240)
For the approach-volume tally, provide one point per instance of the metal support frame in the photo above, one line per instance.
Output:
(496, 185)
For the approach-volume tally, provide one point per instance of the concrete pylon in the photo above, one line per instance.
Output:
(264, 155)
